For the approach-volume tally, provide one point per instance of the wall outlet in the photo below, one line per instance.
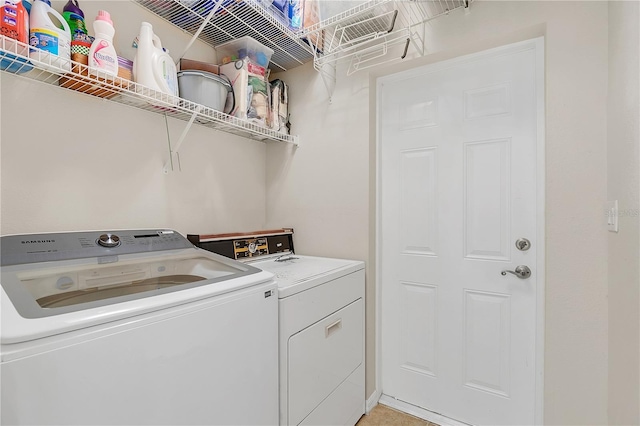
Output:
(612, 216)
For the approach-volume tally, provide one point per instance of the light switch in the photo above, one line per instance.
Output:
(612, 216)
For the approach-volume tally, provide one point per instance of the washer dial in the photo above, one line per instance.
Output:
(108, 240)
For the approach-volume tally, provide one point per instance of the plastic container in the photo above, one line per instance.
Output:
(204, 88)
(14, 24)
(53, 44)
(14, 21)
(125, 68)
(152, 66)
(75, 18)
(245, 47)
(296, 14)
(102, 55)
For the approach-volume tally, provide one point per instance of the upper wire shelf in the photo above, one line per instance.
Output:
(355, 33)
(362, 35)
(235, 19)
(53, 70)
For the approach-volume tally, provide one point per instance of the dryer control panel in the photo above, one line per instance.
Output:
(246, 246)
(250, 247)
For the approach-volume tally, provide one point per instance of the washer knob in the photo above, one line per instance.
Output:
(109, 240)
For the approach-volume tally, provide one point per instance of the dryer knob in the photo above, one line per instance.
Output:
(109, 240)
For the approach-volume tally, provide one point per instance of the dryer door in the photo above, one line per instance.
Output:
(321, 357)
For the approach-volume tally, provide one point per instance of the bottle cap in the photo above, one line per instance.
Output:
(103, 15)
(72, 6)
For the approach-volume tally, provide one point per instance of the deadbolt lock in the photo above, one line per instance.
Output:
(523, 244)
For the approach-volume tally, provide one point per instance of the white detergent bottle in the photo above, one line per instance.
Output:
(53, 43)
(152, 66)
(102, 55)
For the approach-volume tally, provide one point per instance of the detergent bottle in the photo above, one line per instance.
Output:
(75, 18)
(152, 66)
(53, 44)
(14, 20)
(102, 55)
(14, 24)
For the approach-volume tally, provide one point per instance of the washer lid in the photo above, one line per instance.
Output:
(60, 282)
(295, 273)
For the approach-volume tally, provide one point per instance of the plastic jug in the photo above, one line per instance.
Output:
(14, 20)
(53, 43)
(14, 24)
(152, 66)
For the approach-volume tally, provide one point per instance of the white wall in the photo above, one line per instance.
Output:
(75, 162)
(576, 132)
(623, 155)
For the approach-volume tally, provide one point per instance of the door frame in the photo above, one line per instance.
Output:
(537, 45)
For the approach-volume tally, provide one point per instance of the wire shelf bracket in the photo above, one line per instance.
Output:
(173, 152)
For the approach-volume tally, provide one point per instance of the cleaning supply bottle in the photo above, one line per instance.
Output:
(296, 14)
(14, 22)
(75, 18)
(152, 65)
(102, 55)
(53, 43)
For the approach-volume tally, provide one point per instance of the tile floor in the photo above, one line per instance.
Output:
(381, 415)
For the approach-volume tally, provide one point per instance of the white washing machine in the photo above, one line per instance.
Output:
(134, 327)
(321, 306)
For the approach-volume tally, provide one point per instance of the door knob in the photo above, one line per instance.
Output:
(522, 272)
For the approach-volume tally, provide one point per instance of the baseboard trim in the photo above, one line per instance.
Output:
(372, 401)
(418, 412)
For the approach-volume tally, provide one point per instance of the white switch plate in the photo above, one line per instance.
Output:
(612, 216)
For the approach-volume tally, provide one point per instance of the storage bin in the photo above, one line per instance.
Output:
(244, 47)
(250, 102)
(204, 88)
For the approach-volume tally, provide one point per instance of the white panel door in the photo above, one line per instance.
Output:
(458, 150)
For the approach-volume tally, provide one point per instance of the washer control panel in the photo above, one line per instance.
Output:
(34, 248)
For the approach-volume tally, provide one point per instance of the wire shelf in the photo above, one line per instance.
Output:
(235, 19)
(53, 70)
(353, 34)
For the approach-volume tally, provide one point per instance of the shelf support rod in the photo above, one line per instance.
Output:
(169, 164)
(202, 26)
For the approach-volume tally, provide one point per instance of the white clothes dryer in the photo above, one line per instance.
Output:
(321, 304)
(134, 327)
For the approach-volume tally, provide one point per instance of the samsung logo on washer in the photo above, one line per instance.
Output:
(37, 241)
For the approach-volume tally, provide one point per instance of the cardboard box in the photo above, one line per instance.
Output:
(190, 64)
